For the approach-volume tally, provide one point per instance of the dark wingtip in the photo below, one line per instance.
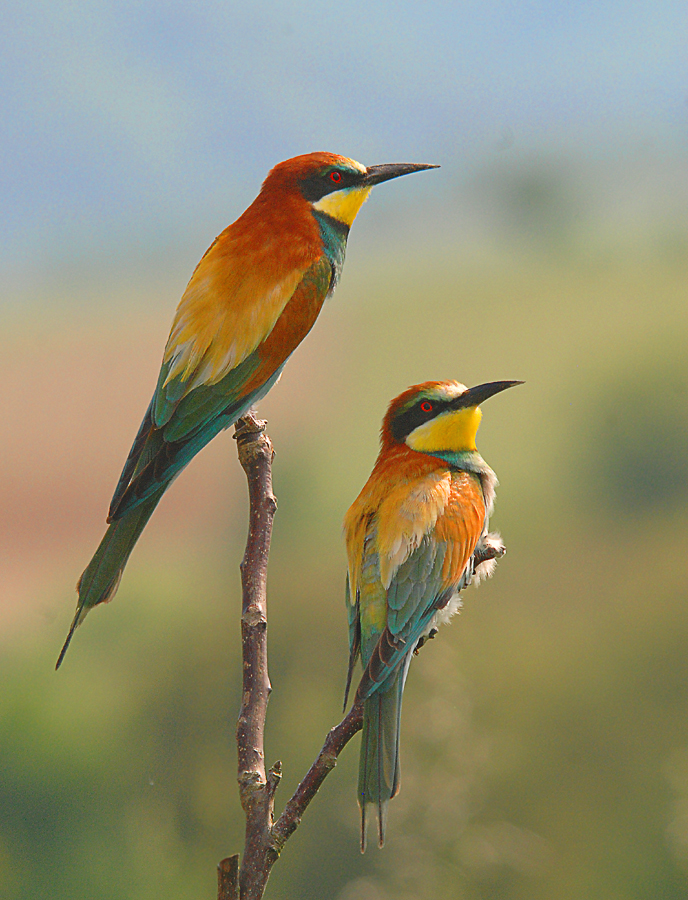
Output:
(364, 836)
(67, 642)
(349, 676)
(380, 825)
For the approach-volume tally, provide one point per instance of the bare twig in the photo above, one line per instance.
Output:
(256, 790)
(228, 879)
(335, 742)
(263, 840)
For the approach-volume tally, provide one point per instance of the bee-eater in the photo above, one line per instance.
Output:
(415, 536)
(252, 299)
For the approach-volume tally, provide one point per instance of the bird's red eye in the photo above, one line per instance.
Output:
(426, 406)
(335, 176)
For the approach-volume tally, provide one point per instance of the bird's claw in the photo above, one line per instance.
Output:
(424, 639)
(490, 547)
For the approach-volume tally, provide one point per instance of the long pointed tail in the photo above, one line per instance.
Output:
(101, 578)
(378, 770)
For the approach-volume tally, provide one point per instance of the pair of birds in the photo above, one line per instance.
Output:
(415, 534)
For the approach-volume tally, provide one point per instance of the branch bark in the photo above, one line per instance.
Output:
(326, 760)
(228, 878)
(256, 790)
(263, 839)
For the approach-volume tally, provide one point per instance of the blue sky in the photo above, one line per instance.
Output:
(131, 122)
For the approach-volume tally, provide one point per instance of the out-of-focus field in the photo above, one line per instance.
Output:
(545, 734)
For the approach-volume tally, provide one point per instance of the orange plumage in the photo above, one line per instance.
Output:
(253, 297)
(407, 496)
(247, 276)
(413, 536)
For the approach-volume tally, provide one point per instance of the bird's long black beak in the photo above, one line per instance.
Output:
(378, 174)
(476, 395)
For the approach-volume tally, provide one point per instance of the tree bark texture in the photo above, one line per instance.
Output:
(264, 838)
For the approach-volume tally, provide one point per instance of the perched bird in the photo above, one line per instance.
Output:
(253, 297)
(415, 536)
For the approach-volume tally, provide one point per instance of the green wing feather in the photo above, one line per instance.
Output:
(378, 766)
(168, 440)
(182, 418)
(417, 590)
(184, 415)
(101, 577)
(352, 609)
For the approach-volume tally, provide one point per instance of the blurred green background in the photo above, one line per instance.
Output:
(545, 734)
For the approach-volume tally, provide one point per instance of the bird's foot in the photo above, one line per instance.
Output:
(424, 639)
(490, 547)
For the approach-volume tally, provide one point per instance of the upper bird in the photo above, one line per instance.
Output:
(415, 536)
(252, 299)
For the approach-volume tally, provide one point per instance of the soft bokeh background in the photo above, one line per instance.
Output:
(545, 735)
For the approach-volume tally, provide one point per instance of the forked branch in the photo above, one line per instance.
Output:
(264, 838)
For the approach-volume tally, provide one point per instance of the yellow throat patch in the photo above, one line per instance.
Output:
(343, 205)
(452, 431)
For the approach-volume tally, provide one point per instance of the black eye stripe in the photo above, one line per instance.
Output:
(411, 418)
(315, 187)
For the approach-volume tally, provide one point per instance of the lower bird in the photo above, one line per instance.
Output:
(416, 535)
(252, 299)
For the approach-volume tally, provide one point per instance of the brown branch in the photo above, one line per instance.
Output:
(256, 790)
(326, 760)
(263, 840)
(228, 878)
